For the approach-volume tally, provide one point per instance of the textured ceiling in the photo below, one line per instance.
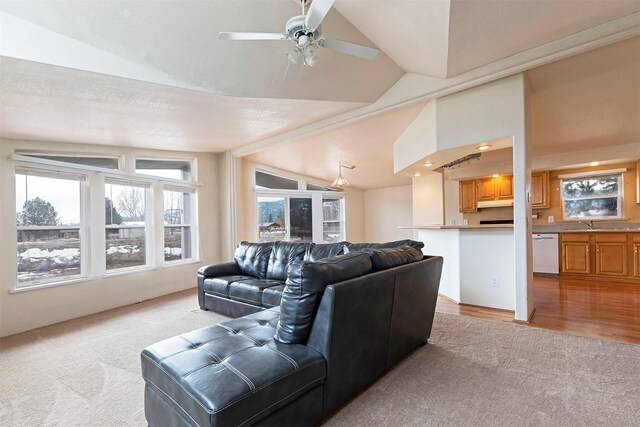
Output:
(587, 101)
(366, 143)
(442, 38)
(50, 103)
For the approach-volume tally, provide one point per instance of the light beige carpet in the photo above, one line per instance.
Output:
(86, 372)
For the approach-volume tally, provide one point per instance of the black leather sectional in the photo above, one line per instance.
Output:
(337, 324)
(255, 280)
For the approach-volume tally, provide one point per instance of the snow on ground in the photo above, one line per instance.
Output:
(37, 253)
(173, 251)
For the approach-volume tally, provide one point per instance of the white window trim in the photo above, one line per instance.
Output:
(587, 175)
(193, 224)
(93, 262)
(191, 160)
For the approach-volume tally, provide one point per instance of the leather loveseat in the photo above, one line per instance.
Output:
(255, 279)
(342, 322)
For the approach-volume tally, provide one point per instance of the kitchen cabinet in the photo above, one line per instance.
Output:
(576, 257)
(486, 189)
(504, 185)
(601, 255)
(468, 196)
(636, 255)
(540, 195)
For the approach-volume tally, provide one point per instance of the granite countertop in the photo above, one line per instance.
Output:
(458, 227)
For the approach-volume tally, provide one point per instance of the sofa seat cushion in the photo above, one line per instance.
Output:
(220, 285)
(232, 373)
(250, 291)
(271, 297)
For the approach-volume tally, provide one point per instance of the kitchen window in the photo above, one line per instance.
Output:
(592, 196)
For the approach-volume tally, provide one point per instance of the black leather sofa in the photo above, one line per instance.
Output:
(255, 279)
(342, 322)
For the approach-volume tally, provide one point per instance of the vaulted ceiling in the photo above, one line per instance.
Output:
(155, 74)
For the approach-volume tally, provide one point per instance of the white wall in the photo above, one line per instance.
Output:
(39, 307)
(384, 210)
(428, 200)
(354, 203)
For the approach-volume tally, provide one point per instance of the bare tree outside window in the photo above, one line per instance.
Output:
(131, 203)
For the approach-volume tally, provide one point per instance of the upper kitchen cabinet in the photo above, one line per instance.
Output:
(504, 185)
(540, 195)
(486, 189)
(468, 196)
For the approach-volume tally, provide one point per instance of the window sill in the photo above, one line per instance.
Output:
(122, 272)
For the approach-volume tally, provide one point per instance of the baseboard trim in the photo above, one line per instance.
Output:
(448, 299)
(528, 321)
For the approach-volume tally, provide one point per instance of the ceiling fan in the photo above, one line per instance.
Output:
(306, 32)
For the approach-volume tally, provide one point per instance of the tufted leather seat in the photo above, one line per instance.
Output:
(251, 290)
(232, 373)
(220, 285)
(271, 297)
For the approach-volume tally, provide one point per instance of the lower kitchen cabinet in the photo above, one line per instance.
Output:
(575, 258)
(601, 255)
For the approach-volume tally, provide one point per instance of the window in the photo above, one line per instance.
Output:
(285, 218)
(274, 182)
(333, 220)
(174, 169)
(49, 211)
(105, 162)
(315, 187)
(592, 196)
(178, 243)
(125, 220)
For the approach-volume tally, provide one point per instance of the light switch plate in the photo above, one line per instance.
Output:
(551, 218)
(465, 221)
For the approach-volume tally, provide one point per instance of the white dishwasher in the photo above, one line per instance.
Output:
(545, 254)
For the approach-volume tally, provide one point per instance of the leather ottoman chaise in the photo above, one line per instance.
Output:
(342, 322)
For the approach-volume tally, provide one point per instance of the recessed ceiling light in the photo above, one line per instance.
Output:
(428, 164)
(416, 174)
(483, 147)
(594, 163)
(495, 175)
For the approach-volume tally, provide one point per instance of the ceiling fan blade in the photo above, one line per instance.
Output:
(292, 69)
(317, 12)
(252, 36)
(349, 48)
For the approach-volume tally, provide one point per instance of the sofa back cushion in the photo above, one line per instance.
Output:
(281, 255)
(253, 258)
(316, 252)
(382, 259)
(351, 247)
(306, 281)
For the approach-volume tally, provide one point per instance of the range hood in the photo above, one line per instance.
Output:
(495, 203)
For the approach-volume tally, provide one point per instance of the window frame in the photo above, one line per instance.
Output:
(192, 224)
(83, 228)
(342, 220)
(619, 174)
(192, 162)
(93, 234)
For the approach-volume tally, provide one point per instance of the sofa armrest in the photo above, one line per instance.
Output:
(217, 270)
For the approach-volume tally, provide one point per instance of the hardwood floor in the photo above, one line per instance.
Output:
(604, 310)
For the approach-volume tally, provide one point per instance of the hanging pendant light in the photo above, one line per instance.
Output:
(340, 182)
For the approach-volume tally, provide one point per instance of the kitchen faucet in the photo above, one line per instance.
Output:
(589, 224)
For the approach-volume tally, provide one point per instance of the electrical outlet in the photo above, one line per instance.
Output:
(551, 218)
(465, 221)
(495, 282)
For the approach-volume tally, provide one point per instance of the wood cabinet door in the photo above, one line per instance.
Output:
(611, 259)
(540, 190)
(636, 260)
(486, 189)
(505, 187)
(468, 196)
(576, 258)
